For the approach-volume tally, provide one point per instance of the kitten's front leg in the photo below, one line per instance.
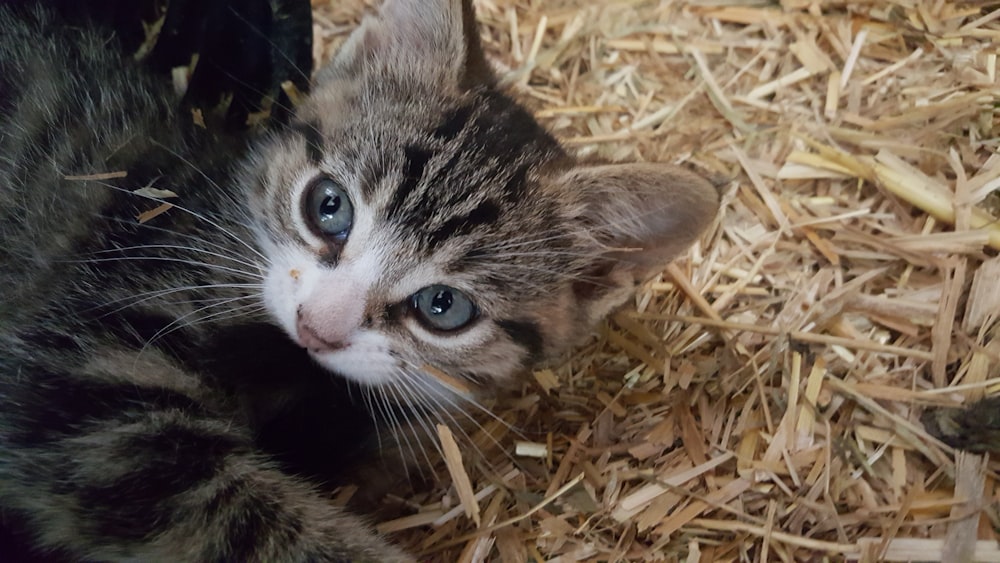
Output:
(115, 468)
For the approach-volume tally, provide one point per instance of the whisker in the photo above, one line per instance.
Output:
(431, 384)
(424, 418)
(393, 423)
(426, 412)
(251, 275)
(246, 312)
(408, 398)
(148, 295)
(176, 247)
(441, 409)
(179, 320)
(366, 393)
(194, 214)
(229, 313)
(174, 233)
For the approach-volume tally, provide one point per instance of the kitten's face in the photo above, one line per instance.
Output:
(418, 222)
(408, 228)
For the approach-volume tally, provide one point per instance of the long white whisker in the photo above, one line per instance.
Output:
(442, 409)
(446, 394)
(425, 410)
(246, 311)
(383, 404)
(366, 394)
(251, 275)
(180, 320)
(176, 247)
(148, 295)
(194, 214)
(173, 233)
(235, 312)
(409, 399)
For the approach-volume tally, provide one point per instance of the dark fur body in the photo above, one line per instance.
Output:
(975, 428)
(101, 440)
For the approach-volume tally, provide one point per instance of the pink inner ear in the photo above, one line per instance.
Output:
(651, 211)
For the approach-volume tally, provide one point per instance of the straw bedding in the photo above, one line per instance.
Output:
(761, 399)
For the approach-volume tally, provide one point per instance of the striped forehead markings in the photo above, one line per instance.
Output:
(491, 143)
(484, 214)
(416, 157)
(444, 214)
(415, 161)
(453, 124)
(516, 184)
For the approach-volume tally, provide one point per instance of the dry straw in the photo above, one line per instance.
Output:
(760, 400)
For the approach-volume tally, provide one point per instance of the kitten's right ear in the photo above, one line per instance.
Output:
(431, 40)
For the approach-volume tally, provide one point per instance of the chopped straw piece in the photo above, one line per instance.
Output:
(101, 176)
(147, 216)
(453, 459)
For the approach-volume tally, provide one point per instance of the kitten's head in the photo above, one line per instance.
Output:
(416, 216)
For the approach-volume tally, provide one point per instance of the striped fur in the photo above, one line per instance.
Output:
(155, 402)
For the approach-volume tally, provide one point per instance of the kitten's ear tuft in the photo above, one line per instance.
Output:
(432, 40)
(641, 217)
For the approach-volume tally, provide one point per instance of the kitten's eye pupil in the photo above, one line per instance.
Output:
(441, 302)
(443, 308)
(328, 209)
(329, 206)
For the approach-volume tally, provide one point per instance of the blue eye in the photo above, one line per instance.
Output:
(444, 308)
(328, 208)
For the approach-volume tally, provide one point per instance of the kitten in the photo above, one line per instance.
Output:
(161, 378)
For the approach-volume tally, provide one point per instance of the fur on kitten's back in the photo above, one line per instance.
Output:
(410, 220)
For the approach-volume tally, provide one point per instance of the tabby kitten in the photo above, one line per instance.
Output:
(158, 376)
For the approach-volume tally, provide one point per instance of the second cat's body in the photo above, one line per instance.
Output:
(106, 431)
(173, 369)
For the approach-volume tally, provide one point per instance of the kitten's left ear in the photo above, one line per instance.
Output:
(432, 40)
(641, 217)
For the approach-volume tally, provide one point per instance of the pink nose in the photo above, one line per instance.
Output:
(315, 342)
